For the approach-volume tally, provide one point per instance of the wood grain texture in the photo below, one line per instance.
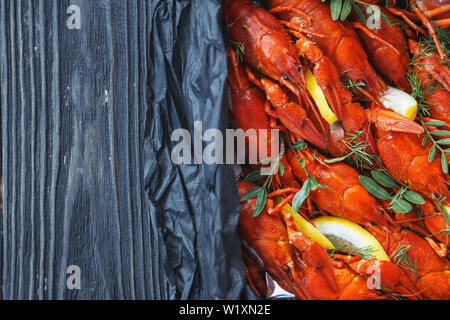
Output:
(71, 108)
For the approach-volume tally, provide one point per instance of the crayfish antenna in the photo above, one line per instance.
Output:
(407, 16)
(430, 63)
(430, 29)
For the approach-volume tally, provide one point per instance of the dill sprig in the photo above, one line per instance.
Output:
(403, 260)
(238, 48)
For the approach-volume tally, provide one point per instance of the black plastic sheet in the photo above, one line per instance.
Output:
(197, 205)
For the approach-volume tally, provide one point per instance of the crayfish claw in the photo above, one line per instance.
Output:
(386, 120)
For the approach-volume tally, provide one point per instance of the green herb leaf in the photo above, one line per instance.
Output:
(254, 176)
(300, 145)
(313, 184)
(300, 196)
(250, 194)
(388, 23)
(334, 160)
(440, 133)
(444, 141)
(281, 169)
(401, 206)
(335, 8)
(238, 48)
(384, 179)
(346, 9)
(432, 153)
(444, 163)
(366, 252)
(413, 197)
(302, 162)
(435, 123)
(360, 14)
(260, 202)
(374, 189)
(264, 162)
(424, 141)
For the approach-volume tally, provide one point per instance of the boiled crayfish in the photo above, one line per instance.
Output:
(270, 55)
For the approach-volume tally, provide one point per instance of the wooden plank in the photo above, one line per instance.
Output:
(72, 104)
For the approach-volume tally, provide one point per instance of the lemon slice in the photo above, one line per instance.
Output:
(350, 238)
(305, 227)
(400, 102)
(319, 98)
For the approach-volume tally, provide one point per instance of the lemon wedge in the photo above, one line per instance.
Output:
(350, 238)
(305, 227)
(319, 97)
(400, 102)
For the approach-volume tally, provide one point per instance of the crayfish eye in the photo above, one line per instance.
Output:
(299, 69)
(288, 269)
(286, 78)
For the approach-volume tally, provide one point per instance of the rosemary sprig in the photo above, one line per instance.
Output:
(350, 85)
(403, 260)
(421, 93)
(363, 252)
(366, 252)
(356, 151)
(331, 252)
(418, 55)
